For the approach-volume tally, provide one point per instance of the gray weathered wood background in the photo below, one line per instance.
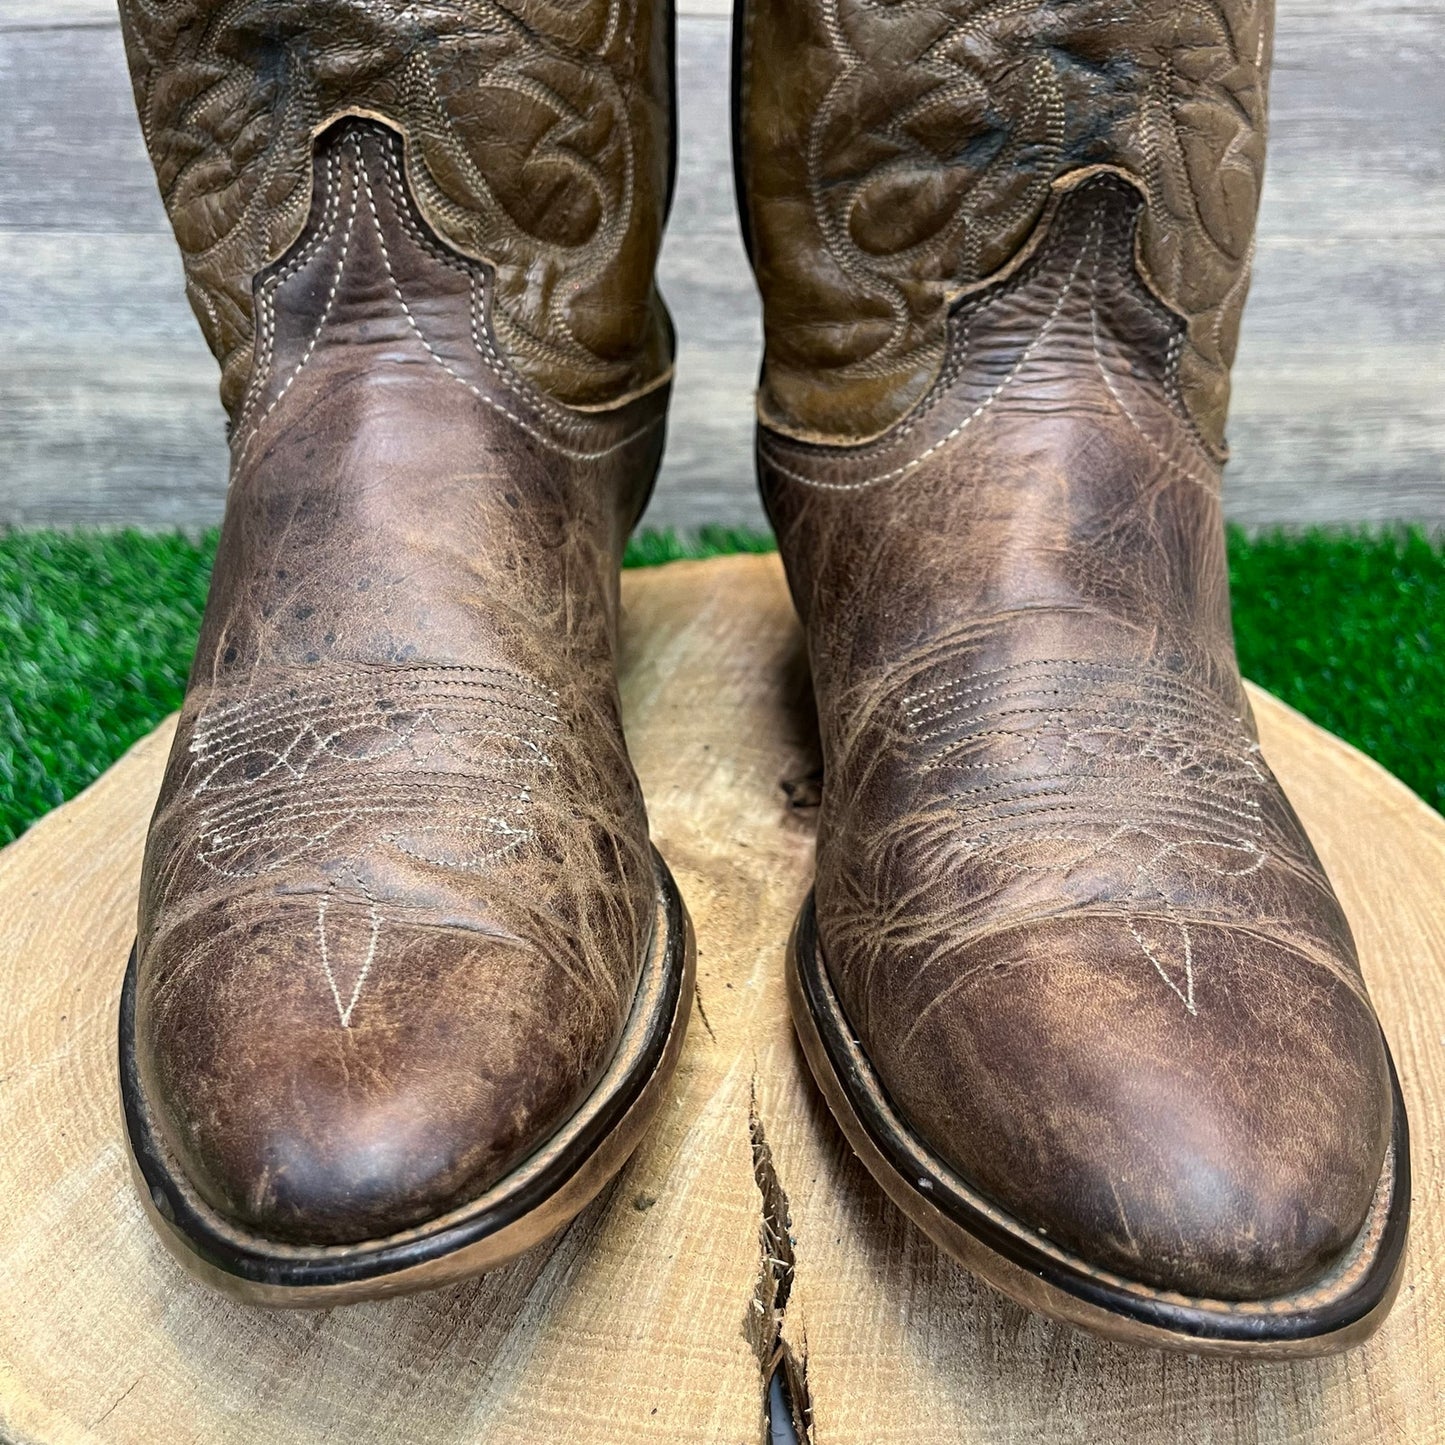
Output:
(108, 410)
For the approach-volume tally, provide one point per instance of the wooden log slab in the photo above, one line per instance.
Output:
(741, 1227)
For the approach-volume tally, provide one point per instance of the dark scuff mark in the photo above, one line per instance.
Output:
(805, 790)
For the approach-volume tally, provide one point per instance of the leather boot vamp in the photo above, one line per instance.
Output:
(399, 885)
(1073, 920)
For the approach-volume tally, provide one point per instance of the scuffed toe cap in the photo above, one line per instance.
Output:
(1219, 1131)
(321, 1080)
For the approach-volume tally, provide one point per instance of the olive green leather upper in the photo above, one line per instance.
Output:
(537, 141)
(894, 156)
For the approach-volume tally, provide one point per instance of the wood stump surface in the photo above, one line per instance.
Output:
(653, 1317)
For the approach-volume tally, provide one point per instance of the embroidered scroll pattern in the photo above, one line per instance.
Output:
(933, 152)
(524, 151)
(437, 764)
(1135, 775)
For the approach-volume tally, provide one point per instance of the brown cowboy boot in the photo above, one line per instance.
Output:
(409, 978)
(1072, 978)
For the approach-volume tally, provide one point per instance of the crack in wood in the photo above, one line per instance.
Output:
(784, 1368)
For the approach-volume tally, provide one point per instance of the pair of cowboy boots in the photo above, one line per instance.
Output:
(410, 979)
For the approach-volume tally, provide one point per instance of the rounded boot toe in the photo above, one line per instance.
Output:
(1210, 1121)
(333, 1097)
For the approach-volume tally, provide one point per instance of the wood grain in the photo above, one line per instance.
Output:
(649, 1318)
(107, 396)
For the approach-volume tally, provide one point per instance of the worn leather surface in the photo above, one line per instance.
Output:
(896, 155)
(398, 886)
(537, 141)
(1070, 915)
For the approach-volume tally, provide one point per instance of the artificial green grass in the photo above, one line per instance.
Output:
(96, 634)
(1350, 630)
(97, 630)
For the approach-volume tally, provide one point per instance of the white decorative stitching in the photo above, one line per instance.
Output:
(361, 178)
(481, 335)
(366, 744)
(375, 921)
(551, 443)
(1024, 357)
(315, 335)
(261, 371)
(1211, 483)
(1209, 786)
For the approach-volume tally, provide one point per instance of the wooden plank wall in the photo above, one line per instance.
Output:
(107, 395)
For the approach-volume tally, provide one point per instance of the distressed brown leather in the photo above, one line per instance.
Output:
(539, 143)
(398, 886)
(897, 155)
(1070, 916)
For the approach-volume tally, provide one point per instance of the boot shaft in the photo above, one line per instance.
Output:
(895, 158)
(537, 141)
